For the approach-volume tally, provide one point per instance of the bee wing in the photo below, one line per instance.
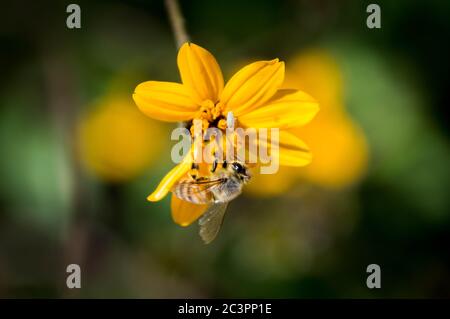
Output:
(211, 221)
(197, 192)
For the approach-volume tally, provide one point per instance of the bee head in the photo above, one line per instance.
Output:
(240, 170)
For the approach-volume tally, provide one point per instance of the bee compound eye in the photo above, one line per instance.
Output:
(238, 168)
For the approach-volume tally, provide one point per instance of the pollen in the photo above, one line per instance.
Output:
(217, 110)
(205, 124)
(222, 124)
(210, 111)
(212, 115)
(205, 111)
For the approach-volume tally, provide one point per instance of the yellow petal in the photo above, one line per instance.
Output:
(288, 108)
(252, 86)
(165, 101)
(200, 72)
(170, 179)
(184, 213)
(292, 150)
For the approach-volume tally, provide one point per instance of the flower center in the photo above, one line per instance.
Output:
(211, 115)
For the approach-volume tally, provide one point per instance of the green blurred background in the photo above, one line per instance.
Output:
(78, 159)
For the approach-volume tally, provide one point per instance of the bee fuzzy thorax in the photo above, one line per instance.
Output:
(229, 190)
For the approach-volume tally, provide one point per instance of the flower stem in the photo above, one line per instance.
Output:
(177, 22)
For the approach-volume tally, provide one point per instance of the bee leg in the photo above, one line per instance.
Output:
(194, 171)
(214, 166)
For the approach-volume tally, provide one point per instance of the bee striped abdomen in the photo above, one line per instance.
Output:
(191, 192)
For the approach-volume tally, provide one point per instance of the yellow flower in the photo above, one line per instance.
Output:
(253, 95)
(113, 138)
(338, 144)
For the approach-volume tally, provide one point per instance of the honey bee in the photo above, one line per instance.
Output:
(223, 185)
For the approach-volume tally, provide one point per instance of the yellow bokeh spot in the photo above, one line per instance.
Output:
(270, 185)
(338, 145)
(115, 141)
(340, 151)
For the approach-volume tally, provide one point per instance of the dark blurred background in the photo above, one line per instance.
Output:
(78, 159)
